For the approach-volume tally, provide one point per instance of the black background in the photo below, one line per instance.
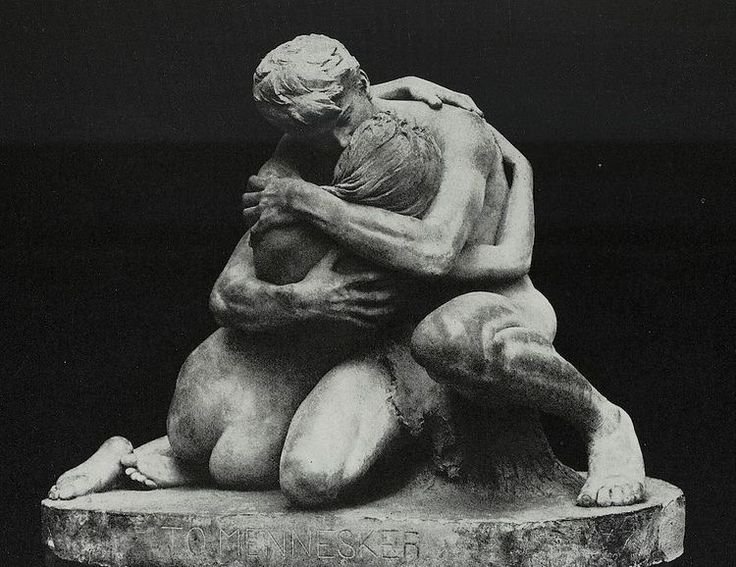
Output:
(127, 133)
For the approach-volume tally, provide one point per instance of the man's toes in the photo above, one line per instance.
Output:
(617, 495)
(627, 496)
(585, 498)
(604, 496)
(640, 493)
(149, 483)
(54, 493)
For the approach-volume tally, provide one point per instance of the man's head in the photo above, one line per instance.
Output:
(312, 87)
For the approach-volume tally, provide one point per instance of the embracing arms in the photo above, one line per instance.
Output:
(240, 300)
(421, 247)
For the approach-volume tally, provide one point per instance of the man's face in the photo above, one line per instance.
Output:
(334, 133)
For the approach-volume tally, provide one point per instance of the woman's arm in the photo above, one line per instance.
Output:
(414, 88)
(240, 300)
(511, 256)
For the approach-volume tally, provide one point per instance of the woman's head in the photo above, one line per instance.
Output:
(389, 164)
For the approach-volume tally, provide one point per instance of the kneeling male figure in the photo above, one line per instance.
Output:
(495, 343)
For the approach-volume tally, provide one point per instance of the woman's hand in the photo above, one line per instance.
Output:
(364, 298)
(414, 88)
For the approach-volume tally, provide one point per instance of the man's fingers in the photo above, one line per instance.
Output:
(327, 262)
(374, 300)
(383, 295)
(360, 322)
(269, 219)
(368, 277)
(250, 199)
(256, 183)
(369, 315)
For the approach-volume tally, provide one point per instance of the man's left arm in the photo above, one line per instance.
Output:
(510, 256)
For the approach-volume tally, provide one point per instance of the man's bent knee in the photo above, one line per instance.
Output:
(449, 342)
(446, 347)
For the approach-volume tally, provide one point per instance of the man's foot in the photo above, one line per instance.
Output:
(153, 470)
(615, 465)
(98, 473)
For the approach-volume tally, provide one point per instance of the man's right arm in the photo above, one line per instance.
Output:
(240, 300)
(364, 298)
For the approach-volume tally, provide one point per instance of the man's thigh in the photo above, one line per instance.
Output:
(533, 309)
(454, 341)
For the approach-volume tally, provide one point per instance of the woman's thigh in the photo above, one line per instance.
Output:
(339, 431)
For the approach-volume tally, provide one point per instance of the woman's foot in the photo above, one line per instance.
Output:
(154, 470)
(615, 465)
(98, 473)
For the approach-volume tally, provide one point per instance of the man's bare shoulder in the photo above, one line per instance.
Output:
(466, 137)
(442, 122)
(459, 133)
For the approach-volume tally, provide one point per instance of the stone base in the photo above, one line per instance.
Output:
(428, 526)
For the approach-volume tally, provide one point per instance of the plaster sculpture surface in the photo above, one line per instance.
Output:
(383, 353)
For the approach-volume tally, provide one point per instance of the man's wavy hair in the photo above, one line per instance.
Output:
(299, 84)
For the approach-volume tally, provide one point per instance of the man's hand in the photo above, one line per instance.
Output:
(267, 202)
(414, 88)
(364, 298)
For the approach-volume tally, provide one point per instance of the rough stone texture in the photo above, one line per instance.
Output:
(429, 523)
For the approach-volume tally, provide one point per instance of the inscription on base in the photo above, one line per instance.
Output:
(259, 544)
